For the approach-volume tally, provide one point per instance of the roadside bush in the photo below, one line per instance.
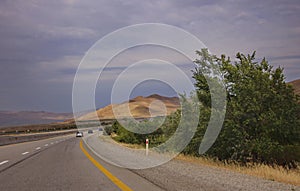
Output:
(262, 119)
(123, 135)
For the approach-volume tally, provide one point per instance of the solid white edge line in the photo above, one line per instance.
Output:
(3, 162)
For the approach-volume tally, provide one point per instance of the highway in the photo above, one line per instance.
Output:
(67, 163)
(62, 163)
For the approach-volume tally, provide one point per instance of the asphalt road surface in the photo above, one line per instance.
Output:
(67, 163)
(62, 163)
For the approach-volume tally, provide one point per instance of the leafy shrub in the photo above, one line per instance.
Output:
(262, 118)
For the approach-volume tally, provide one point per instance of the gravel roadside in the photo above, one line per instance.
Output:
(178, 175)
(181, 175)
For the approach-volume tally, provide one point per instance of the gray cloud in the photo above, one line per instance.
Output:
(42, 42)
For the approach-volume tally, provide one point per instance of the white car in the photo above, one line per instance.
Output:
(79, 134)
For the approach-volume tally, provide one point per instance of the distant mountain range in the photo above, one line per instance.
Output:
(139, 107)
(16, 118)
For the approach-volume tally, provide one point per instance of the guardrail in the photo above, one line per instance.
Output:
(13, 139)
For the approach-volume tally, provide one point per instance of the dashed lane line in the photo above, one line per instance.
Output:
(3, 162)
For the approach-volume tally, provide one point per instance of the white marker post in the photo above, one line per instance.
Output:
(147, 146)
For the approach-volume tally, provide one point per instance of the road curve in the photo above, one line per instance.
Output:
(66, 163)
(60, 164)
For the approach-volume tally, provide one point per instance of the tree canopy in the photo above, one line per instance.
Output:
(262, 117)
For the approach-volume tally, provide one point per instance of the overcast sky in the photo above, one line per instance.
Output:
(43, 42)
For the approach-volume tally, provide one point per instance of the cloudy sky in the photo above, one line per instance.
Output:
(43, 42)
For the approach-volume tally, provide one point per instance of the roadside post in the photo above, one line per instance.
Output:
(147, 146)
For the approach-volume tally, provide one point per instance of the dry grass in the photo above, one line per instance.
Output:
(138, 107)
(276, 173)
(131, 146)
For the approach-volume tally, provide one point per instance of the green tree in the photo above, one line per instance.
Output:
(262, 117)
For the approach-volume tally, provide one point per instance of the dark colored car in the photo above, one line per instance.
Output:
(90, 131)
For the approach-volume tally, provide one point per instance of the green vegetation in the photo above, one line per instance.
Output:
(125, 136)
(262, 116)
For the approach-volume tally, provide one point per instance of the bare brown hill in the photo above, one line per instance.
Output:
(296, 85)
(139, 107)
(146, 107)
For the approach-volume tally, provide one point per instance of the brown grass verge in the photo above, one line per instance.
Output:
(131, 146)
(274, 173)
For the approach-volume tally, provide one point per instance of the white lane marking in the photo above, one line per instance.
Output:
(37, 148)
(3, 162)
(46, 145)
(25, 153)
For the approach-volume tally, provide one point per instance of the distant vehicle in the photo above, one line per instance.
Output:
(100, 129)
(90, 131)
(79, 134)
